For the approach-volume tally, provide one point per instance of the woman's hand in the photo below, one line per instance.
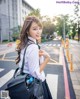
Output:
(44, 53)
(46, 60)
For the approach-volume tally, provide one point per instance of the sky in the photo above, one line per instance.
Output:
(53, 7)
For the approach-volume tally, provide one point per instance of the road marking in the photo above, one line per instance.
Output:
(7, 51)
(58, 45)
(53, 60)
(1, 69)
(46, 44)
(3, 56)
(54, 44)
(60, 55)
(51, 45)
(4, 79)
(7, 60)
(51, 63)
(52, 81)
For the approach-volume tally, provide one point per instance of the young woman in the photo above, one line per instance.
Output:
(35, 58)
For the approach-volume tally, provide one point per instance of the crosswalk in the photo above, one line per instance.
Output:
(52, 81)
(50, 45)
(76, 45)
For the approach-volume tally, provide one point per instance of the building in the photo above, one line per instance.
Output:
(12, 15)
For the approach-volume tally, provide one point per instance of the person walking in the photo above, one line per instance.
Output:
(36, 59)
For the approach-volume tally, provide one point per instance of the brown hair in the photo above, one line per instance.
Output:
(23, 34)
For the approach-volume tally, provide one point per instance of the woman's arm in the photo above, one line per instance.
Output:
(47, 58)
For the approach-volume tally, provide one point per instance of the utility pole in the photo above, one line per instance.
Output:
(64, 28)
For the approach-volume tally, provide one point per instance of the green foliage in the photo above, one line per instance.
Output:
(60, 21)
(48, 26)
(77, 17)
(15, 36)
(74, 30)
(35, 12)
(16, 32)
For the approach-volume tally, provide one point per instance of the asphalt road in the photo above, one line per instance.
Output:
(54, 69)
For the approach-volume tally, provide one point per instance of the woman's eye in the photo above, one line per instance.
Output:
(37, 28)
(34, 29)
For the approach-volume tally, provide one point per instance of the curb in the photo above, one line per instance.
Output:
(70, 94)
(66, 84)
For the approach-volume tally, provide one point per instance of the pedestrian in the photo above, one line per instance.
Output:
(35, 58)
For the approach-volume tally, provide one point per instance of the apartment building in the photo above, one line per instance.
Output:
(12, 15)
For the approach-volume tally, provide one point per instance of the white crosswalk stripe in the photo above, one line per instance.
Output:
(4, 79)
(57, 45)
(54, 44)
(49, 44)
(52, 81)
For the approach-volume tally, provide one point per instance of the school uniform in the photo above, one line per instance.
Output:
(32, 63)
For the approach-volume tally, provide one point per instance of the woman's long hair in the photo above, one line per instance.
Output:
(24, 35)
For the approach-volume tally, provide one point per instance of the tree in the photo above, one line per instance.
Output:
(35, 12)
(60, 22)
(16, 32)
(48, 26)
(77, 18)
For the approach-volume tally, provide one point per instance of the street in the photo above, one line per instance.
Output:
(54, 70)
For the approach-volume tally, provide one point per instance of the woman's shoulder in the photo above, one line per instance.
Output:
(33, 47)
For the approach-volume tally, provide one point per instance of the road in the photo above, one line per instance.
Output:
(54, 69)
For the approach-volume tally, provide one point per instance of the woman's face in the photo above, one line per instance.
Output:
(35, 31)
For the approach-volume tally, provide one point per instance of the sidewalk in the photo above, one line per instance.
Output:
(74, 49)
(5, 48)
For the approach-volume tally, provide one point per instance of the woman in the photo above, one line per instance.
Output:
(35, 58)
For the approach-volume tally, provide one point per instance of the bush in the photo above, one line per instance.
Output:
(15, 36)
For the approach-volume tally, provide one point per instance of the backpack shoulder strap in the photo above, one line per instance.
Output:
(22, 67)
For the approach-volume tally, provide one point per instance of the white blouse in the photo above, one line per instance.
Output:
(32, 61)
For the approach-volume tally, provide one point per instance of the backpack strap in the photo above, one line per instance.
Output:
(22, 67)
